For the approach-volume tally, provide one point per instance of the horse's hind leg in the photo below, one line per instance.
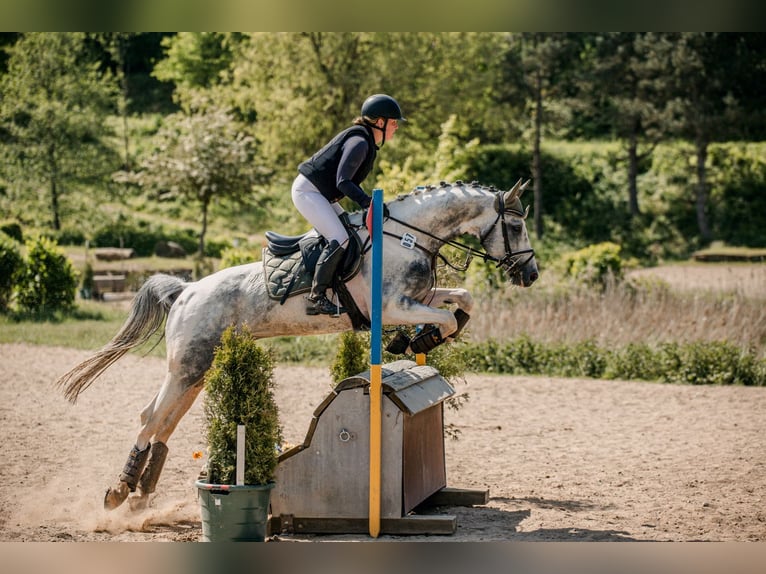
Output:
(149, 477)
(146, 459)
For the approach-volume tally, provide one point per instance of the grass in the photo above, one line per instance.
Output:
(684, 304)
(92, 325)
(95, 323)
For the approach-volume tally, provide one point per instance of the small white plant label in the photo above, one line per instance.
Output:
(408, 241)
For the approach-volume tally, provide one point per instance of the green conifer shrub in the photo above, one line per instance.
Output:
(239, 389)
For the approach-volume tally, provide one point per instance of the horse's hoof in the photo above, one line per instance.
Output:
(398, 345)
(138, 503)
(116, 496)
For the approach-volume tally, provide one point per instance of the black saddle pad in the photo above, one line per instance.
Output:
(289, 263)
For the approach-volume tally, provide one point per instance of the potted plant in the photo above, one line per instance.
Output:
(234, 491)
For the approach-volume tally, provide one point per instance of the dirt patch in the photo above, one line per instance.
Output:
(563, 459)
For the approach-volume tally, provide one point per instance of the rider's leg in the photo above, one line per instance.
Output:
(324, 216)
(326, 267)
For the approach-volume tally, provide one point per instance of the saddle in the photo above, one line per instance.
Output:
(289, 262)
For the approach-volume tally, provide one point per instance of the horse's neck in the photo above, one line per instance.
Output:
(449, 212)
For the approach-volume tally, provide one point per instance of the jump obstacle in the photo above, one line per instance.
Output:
(389, 421)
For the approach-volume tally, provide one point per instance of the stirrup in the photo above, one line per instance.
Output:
(321, 305)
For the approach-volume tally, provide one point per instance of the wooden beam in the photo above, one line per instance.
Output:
(408, 525)
(448, 496)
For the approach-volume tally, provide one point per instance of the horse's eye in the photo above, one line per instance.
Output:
(516, 227)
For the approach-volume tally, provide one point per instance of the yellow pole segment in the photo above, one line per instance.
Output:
(420, 358)
(376, 425)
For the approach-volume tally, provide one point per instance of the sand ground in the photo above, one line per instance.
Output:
(563, 459)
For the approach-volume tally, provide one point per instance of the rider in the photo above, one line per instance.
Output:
(334, 172)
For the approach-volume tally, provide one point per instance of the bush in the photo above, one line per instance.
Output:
(48, 281)
(636, 361)
(239, 391)
(70, 236)
(11, 263)
(12, 229)
(353, 356)
(708, 363)
(233, 256)
(595, 265)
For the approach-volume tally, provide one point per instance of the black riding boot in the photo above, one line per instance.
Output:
(327, 264)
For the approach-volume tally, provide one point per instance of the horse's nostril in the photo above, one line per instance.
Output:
(533, 277)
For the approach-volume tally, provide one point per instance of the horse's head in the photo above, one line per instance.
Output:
(507, 239)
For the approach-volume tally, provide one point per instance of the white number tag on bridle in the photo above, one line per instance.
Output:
(408, 241)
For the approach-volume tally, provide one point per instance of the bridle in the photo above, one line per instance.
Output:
(510, 262)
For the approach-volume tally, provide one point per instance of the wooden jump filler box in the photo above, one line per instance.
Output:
(322, 485)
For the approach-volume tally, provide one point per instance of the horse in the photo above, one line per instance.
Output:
(196, 313)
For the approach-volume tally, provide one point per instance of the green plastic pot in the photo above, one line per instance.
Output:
(234, 513)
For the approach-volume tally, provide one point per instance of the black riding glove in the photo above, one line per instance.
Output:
(386, 214)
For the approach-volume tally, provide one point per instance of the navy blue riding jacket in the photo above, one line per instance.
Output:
(338, 169)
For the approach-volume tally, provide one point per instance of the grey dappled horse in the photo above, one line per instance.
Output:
(418, 226)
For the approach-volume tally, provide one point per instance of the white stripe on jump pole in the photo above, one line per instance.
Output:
(240, 468)
(376, 344)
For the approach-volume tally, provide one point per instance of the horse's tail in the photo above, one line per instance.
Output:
(147, 313)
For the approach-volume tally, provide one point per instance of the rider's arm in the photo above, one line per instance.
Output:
(354, 153)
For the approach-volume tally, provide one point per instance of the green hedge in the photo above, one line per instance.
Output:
(698, 363)
(11, 264)
(143, 236)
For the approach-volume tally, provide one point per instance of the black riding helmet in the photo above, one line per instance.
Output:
(382, 106)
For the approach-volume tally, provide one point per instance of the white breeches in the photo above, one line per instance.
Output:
(319, 212)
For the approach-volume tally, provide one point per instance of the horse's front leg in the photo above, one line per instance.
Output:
(438, 325)
(448, 296)
(407, 311)
(462, 298)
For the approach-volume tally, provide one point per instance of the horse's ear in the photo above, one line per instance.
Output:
(526, 212)
(523, 187)
(514, 193)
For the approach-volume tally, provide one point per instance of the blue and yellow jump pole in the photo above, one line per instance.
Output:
(376, 345)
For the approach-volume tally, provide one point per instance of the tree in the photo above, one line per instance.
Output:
(462, 74)
(300, 89)
(6, 39)
(716, 85)
(623, 89)
(54, 101)
(548, 60)
(117, 45)
(201, 154)
(194, 60)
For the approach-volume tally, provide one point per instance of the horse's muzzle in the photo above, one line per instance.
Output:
(523, 273)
